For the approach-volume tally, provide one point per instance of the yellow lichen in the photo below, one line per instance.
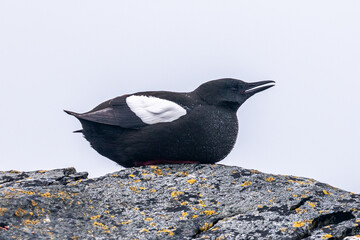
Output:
(201, 203)
(132, 188)
(326, 236)
(299, 224)
(247, 183)
(126, 222)
(191, 181)
(206, 227)
(312, 204)
(148, 219)
(299, 210)
(184, 203)
(269, 179)
(176, 193)
(184, 214)
(94, 217)
(165, 231)
(144, 230)
(326, 192)
(194, 216)
(209, 212)
(158, 171)
(47, 194)
(100, 225)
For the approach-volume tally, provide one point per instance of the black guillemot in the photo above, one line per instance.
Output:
(169, 127)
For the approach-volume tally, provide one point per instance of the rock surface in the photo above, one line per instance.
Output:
(174, 202)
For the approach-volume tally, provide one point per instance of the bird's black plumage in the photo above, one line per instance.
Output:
(169, 127)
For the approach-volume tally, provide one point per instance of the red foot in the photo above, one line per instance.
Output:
(5, 228)
(158, 162)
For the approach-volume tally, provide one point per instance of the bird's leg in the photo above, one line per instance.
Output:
(4, 227)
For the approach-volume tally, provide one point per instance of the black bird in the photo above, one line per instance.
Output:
(169, 127)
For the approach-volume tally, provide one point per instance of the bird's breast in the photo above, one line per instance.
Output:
(212, 132)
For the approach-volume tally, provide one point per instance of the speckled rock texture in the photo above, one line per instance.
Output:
(174, 202)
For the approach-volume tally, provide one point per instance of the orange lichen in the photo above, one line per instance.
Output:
(20, 212)
(2, 210)
(30, 222)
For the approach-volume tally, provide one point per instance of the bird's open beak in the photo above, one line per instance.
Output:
(255, 87)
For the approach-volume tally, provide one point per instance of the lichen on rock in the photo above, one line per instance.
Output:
(173, 202)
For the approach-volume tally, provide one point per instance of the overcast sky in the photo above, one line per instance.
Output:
(57, 55)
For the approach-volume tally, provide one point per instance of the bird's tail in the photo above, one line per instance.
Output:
(75, 115)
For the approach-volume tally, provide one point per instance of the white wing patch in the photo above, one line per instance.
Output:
(153, 110)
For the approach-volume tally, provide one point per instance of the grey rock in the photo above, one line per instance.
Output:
(174, 202)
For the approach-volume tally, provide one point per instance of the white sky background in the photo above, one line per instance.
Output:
(57, 55)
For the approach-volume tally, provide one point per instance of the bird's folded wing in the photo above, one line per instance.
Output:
(135, 111)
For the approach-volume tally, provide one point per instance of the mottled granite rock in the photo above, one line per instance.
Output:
(174, 202)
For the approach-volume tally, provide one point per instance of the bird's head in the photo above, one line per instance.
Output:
(229, 92)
